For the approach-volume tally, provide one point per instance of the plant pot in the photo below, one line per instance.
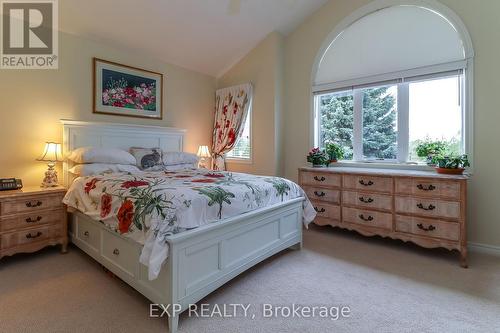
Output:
(333, 161)
(446, 171)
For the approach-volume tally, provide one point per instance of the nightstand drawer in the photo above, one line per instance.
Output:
(121, 254)
(28, 220)
(29, 204)
(18, 238)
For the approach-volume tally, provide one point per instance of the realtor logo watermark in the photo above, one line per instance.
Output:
(29, 33)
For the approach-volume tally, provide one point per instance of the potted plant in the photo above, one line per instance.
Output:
(430, 150)
(317, 157)
(334, 151)
(452, 164)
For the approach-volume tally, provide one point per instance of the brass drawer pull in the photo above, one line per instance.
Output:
(319, 194)
(116, 252)
(362, 182)
(322, 179)
(430, 207)
(38, 234)
(30, 220)
(32, 204)
(429, 228)
(362, 199)
(322, 210)
(86, 234)
(369, 218)
(428, 188)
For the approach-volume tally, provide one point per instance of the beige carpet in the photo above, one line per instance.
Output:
(389, 287)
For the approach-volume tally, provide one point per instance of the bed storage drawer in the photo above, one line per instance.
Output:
(120, 253)
(89, 234)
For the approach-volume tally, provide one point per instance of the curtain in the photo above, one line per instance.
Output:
(231, 110)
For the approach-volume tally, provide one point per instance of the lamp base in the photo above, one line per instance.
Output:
(50, 179)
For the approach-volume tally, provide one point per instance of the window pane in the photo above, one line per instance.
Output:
(242, 147)
(336, 120)
(380, 122)
(435, 114)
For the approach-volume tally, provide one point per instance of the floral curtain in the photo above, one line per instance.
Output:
(231, 110)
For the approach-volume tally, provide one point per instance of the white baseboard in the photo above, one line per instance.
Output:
(484, 248)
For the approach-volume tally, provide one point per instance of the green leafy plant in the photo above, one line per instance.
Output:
(431, 150)
(452, 161)
(335, 151)
(317, 156)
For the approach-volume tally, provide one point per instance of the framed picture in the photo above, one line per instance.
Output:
(127, 91)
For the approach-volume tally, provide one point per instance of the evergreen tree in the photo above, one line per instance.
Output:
(337, 118)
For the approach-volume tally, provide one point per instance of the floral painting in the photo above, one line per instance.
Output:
(126, 91)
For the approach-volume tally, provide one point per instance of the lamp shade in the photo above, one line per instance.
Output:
(51, 153)
(203, 151)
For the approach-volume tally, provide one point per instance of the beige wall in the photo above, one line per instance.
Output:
(481, 19)
(262, 67)
(33, 101)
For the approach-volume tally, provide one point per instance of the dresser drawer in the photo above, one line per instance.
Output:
(367, 200)
(367, 218)
(28, 220)
(428, 187)
(326, 210)
(428, 227)
(315, 193)
(18, 238)
(121, 254)
(428, 207)
(89, 234)
(368, 183)
(320, 178)
(29, 204)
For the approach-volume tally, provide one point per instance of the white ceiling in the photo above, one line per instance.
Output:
(208, 36)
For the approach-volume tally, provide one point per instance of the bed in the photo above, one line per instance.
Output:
(200, 259)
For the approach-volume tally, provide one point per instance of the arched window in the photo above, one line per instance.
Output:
(391, 79)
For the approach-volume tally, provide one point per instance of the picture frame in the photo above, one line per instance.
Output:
(126, 91)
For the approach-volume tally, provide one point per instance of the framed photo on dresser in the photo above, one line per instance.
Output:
(127, 91)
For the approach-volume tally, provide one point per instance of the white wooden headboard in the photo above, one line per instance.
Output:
(78, 134)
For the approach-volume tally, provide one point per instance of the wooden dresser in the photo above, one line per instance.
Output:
(31, 219)
(422, 207)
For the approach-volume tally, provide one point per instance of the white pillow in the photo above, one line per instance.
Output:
(175, 158)
(98, 168)
(101, 155)
(180, 167)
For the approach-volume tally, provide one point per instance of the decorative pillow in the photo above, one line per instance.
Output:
(98, 168)
(174, 158)
(147, 157)
(101, 155)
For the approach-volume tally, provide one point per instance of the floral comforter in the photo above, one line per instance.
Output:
(149, 206)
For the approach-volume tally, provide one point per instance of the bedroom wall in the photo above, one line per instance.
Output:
(481, 18)
(263, 68)
(33, 101)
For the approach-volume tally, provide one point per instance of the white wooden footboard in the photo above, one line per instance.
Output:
(200, 260)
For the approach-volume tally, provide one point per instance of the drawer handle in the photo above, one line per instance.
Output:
(30, 220)
(116, 252)
(322, 210)
(428, 188)
(322, 179)
(429, 228)
(362, 199)
(430, 207)
(32, 204)
(369, 218)
(38, 234)
(319, 194)
(362, 182)
(86, 234)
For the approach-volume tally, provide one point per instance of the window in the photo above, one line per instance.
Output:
(243, 148)
(385, 122)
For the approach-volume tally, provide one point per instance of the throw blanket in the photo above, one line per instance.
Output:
(149, 206)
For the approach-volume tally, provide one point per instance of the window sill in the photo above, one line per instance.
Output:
(384, 165)
(235, 160)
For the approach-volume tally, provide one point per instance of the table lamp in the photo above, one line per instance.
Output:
(204, 155)
(51, 154)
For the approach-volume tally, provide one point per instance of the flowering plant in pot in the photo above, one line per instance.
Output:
(452, 164)
(335, 152)
(430, 150)
(317, 157)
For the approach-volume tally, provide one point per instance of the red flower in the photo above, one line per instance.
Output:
(134, 183)
(106, 204)
(90, 185)
(203, 181)
(227, 123)
(125, 216)
(214, 175)
(231, 136)
(119, 104)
